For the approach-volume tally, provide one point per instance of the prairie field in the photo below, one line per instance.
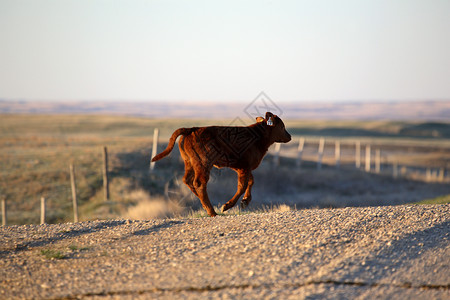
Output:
(36, 151)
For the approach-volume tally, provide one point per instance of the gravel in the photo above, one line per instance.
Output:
(372, 252)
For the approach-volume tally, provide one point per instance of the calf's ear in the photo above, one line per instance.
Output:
(268, 115)
(259, 119)
(269, 118)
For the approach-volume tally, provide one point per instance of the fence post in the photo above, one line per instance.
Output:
(377, 161)
(105, 174)
(42, 210)
(74, 193)
(441, 174)
(395, 169)
(154, 148)
(403, 171)
(337, 153)
(4, 214)
(428, 174)
(301, 144)
(368, 154)
(320, 154)
(358, 154)
(276, 156)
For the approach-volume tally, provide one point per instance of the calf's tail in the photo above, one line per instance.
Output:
(173, 138)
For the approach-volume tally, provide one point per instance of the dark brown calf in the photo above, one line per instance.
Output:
(239, 148)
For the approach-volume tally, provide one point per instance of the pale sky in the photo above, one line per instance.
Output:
(217, 51)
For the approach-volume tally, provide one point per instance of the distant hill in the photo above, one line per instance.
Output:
(394, 110)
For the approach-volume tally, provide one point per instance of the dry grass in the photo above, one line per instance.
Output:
(151, 208)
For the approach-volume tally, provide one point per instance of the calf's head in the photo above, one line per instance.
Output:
(276, 126)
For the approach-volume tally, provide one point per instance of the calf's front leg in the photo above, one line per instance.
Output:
(248, 193)
(243, 178)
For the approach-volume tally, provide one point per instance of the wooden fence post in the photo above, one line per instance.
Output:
(105, 174)
(441, 174)
(301, 144)
(74, 193)
(428, 174)
(395, 169)
(377, 161)
(4, 213)
(276, 156)
(320, 153)
(154, 148)
(337, 153)
(42, 210)
(368, 154)
(403, 171)
(358, 154)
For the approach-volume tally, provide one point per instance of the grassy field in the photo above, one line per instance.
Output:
(36, 150)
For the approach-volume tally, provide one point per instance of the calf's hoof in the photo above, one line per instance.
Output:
(212, 213)
(223, 208)
(244, 203)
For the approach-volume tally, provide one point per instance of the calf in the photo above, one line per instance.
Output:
(239, 148)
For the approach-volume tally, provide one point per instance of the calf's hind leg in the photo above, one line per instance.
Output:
(188, 177)
(196, 176)
(189, 173)
(200, 182)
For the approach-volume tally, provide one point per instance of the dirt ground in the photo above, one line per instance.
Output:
(389, 252)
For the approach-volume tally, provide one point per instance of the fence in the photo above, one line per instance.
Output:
(73, 187)
(374, 160)
(105, 171)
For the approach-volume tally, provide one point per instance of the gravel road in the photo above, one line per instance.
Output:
(394, 252)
